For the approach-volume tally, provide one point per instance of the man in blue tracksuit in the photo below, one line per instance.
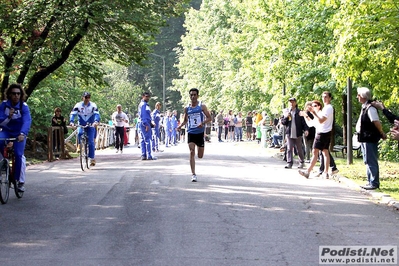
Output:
(145, 127)
(156, 118)
(87, 113)
(174, 127)
(167, 124)
(15, 121)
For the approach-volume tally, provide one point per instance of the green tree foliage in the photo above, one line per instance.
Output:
(38, 37)
(254, 49)
(149, 75)
(58, 91)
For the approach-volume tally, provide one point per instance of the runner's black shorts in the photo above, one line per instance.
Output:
(322, 141)
(197, 139)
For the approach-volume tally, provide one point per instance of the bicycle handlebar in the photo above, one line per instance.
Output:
(86, 126)
(8, 139)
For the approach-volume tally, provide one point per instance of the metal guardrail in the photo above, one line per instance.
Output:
(104, 139)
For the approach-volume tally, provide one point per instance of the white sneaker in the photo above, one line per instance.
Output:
(304, 173)
(318, 174)
(194, 178)
(334, 172)
(325, 175)
(117, 150)
(121, 151)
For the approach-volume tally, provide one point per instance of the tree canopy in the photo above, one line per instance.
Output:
(257, 54)
(38, 37)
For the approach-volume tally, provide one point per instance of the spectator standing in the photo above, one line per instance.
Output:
(119, 118)
(126, 131)
(231, 126)
(370, 131)
(334, 169)
(324, 121)
(258, 118)
(295, 127)
(87, 113)
(136, 130)
(238, 127)
(15, 122)
(248, 125)
(167, 124)
(220, 122)
(145, 127)
(174, 126)
(156, 118)
(266, 128)
(226, 127)
(58, 121)
(309, 139)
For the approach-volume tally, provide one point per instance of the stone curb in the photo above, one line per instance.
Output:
(380, 198)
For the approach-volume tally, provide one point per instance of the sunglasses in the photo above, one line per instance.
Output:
(15, 93)
(87, 97)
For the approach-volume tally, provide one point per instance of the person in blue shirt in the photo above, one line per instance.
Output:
(174, 127)
(156, 118)
(167, 124)
(87, 113)
(145, 127)
(196, 115)
(15, 122)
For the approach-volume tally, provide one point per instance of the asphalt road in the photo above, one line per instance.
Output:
(245, 209)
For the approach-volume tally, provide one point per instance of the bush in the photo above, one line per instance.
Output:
(388, 150)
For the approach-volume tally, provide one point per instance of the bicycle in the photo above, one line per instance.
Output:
(7, 169)
(84, 149)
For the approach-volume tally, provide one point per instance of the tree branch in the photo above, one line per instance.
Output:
(42, 73)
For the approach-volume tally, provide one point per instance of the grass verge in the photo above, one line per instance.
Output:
(389, 181)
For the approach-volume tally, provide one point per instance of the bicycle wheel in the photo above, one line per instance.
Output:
(4, 181)
(83, 154)
(18, 193)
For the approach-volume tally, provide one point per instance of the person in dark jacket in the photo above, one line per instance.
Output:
(308, 140)
(370, 131)
(58, 121)
(388, 114)
(295, 127)
(393, 119)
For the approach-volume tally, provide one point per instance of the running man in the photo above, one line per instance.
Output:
(196, 115)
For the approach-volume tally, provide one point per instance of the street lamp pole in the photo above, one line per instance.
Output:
(163, 81)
